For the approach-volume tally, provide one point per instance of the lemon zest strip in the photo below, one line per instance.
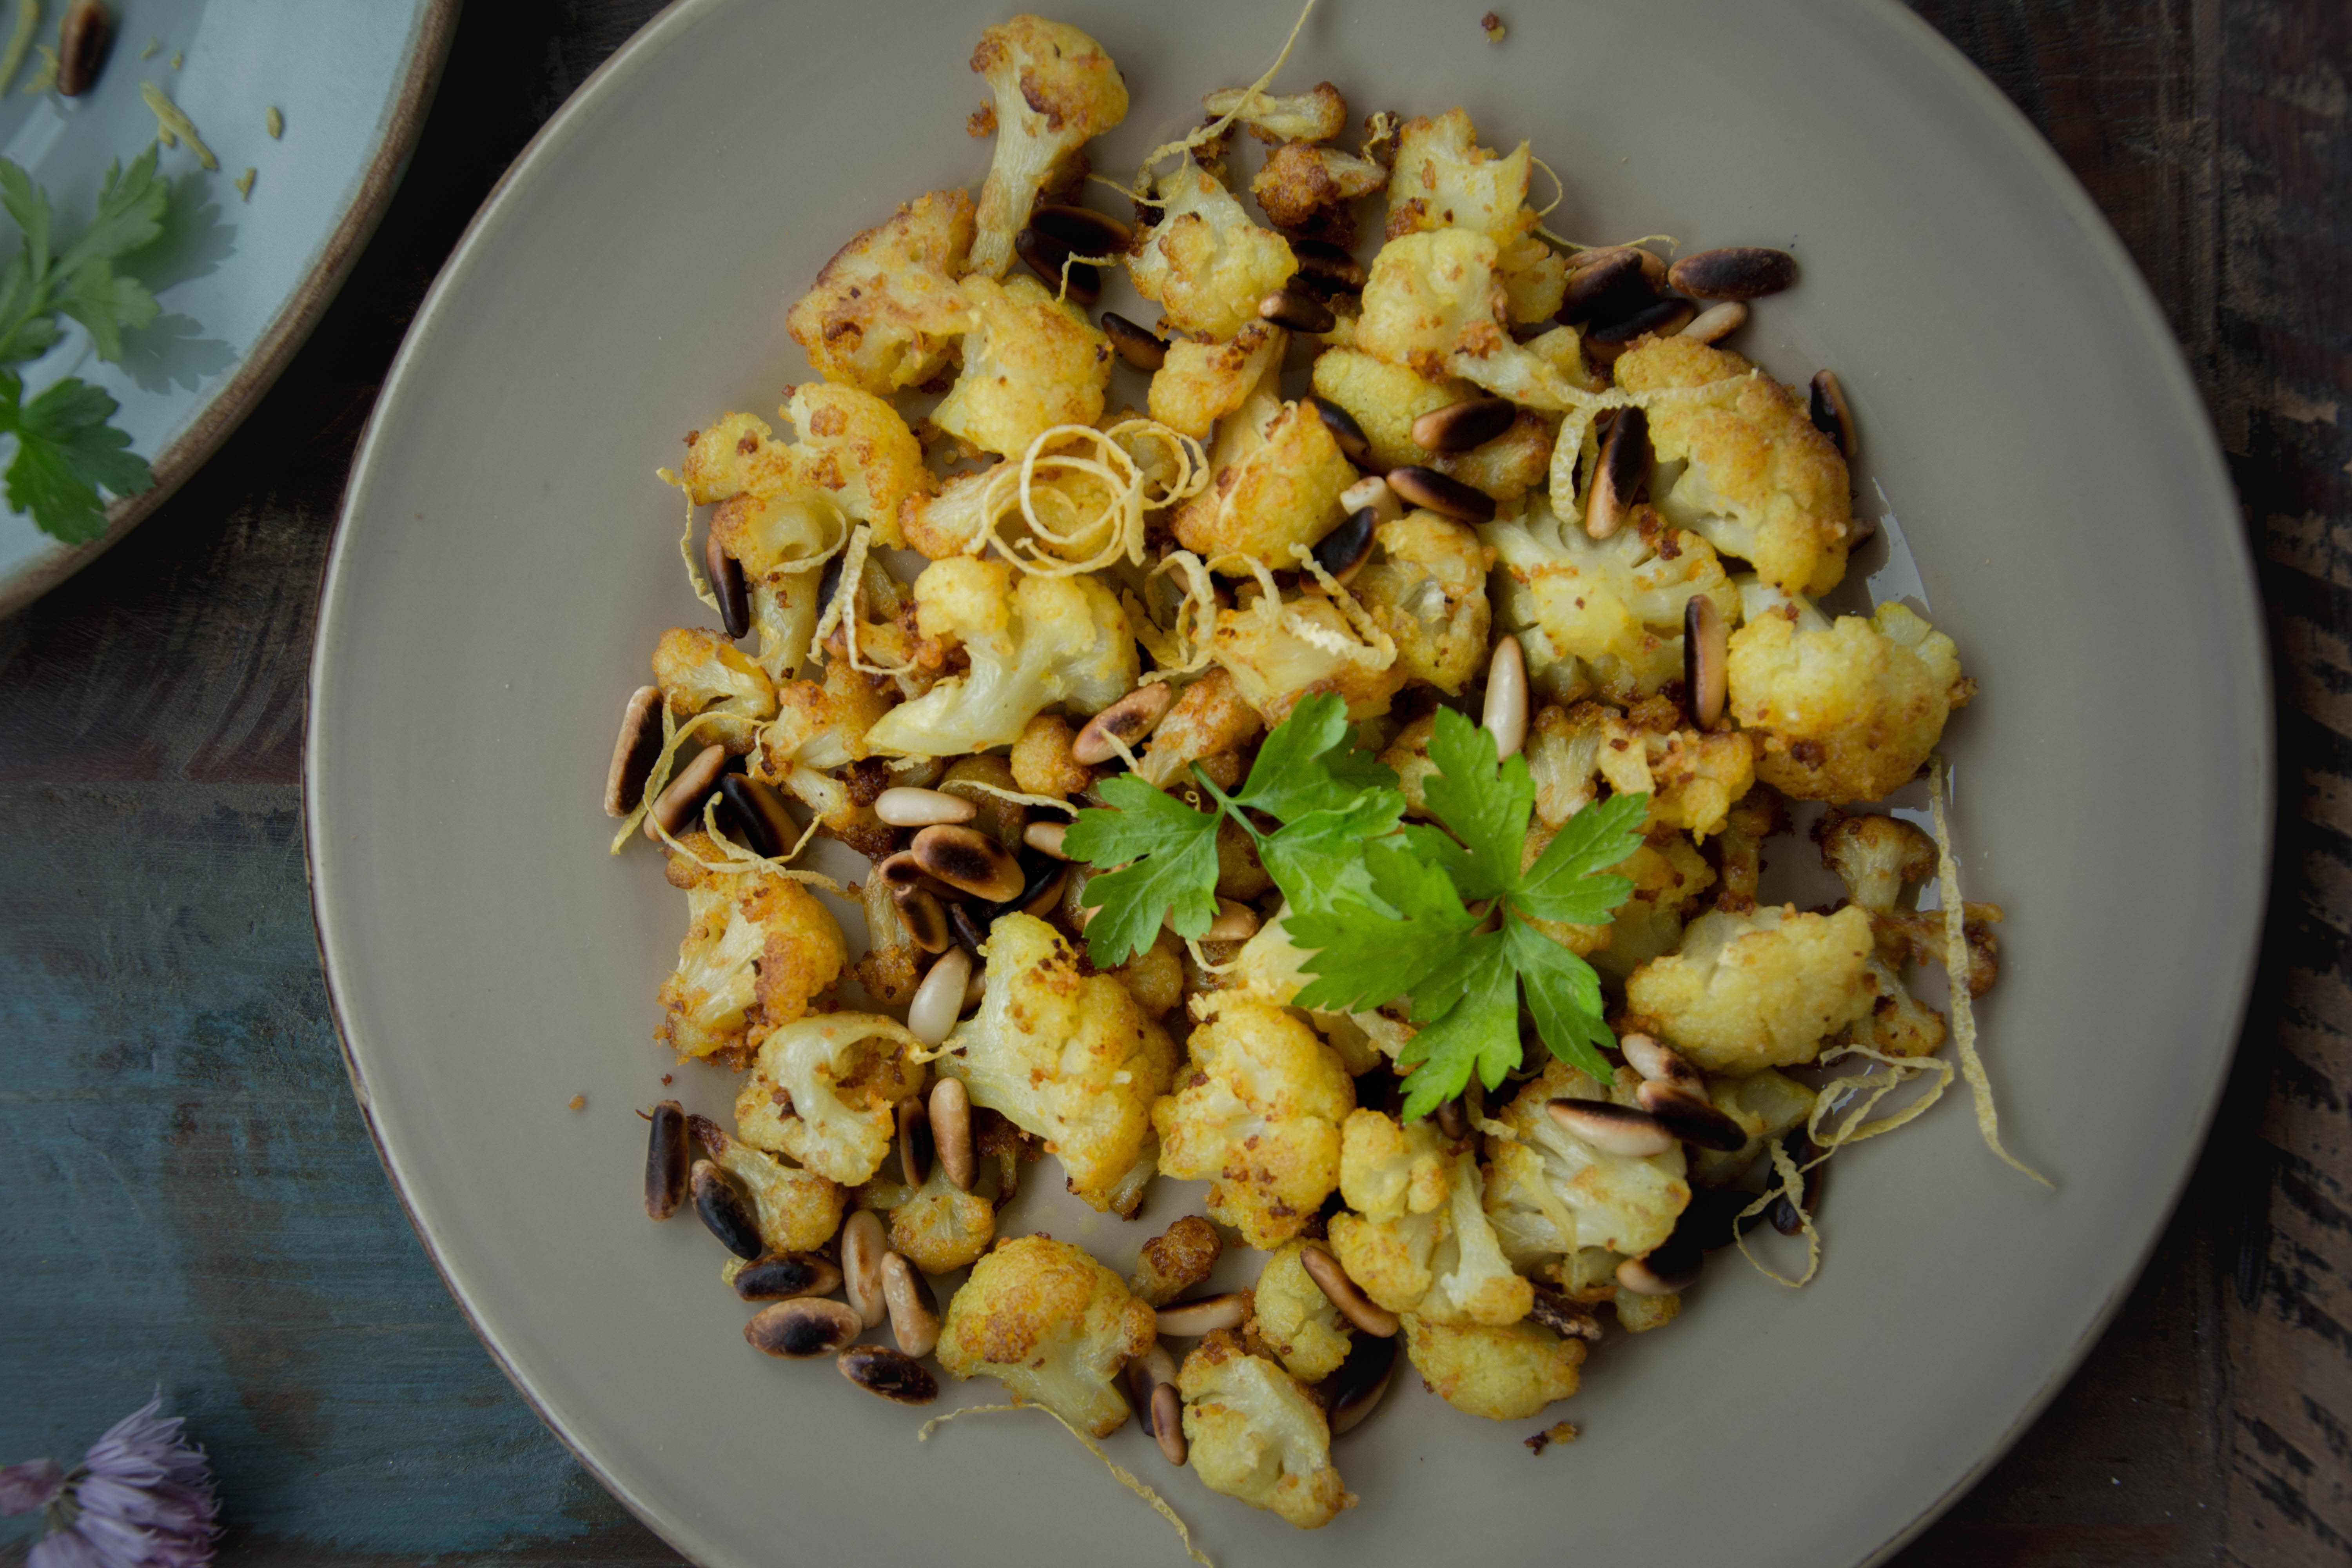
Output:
(1119, 1473)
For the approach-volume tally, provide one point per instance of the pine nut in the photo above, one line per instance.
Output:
(1613, 1129)
(786, 1277)
(799, 1328)
(1832, 416)
(1299, 310)
(665, 1160)
(1440, 493)
(1137, 344)
(893, 1374)
(758, 810)
(1717, 322)
(1662, 1272)
(1693, 1118)
(727, 586)
(1506, 713)
(1345, 1294)
(1047, 257)
(634, 751)
(1356, 1387)
(1046, 837)
(1610, 283)
(1206, 1315)
(939, 1000)
(1145, 1373)
(1084, 230)
(1466, 425)
(1617, 476)
(1167, 1422)
(1331, 263)
(1129, 718)
(1354, 445)
(719, 1204)
(1373, 491)
(969, 861)
(914, 1311)
(951, 1130)
(1735, 272)
(1350, 545)
(1662, 318)
(902, 806)
(1235, 923)
(914, 1137)
(1653, 1059)
(1707, 659)
(85, 39)
(863, 1244)
(925, 919)
(1570, 1320)
(688, 788)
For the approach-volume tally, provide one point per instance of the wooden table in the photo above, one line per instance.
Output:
(194, 1200)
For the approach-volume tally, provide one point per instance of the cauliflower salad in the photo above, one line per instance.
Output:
(1343, 780)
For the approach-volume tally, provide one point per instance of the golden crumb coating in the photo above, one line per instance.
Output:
(1258, 1116)
(1430, 296)
(1279, 479)
(759, 947)
(1760, 990)
(1202, 382)
(885, 313)
(1053, 1325)
(1204, 263)
(1843, 710)
(1505, 1373)
(1030, 361)
(1257, 1434)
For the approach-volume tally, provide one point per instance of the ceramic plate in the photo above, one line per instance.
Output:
(507, 559)
(241, 279)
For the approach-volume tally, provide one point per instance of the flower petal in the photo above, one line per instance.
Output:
(28, 1486)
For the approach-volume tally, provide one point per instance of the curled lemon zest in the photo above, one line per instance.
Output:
(1115, 530)
(1182, 647)
(1790, 1185)
(696, 580)
(1119, 1473)
(840, 611)
(1378, 651)
(1215, 128)
(1017, 796)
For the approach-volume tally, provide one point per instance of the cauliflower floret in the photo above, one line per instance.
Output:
(1280, 474)
(1603, 614)
(1444, 179)
(1204, 263)
(1300, 181)
(885, 313)
(1046, 640)
(758, 949)
(1431, 295)
(1056, 91)
(1054, 1325)
(821, 724)
(1295, 1318)
(1384, 399)
(1316, 115)
(1273, 664)
(1668, 875)
(1209, 718)
(1844, 711)
(1875, 857)
(1255, 1434)
(1041, 760)
(698, 671)
(1426, 587)
(841, 1076)
(1030, 361)
(1386, 1171)
(941, 1228)
(1445, 1263)
(1199, 383)
(1505, 1373)
(1760, 990)
(1258, 1115)
(1551, 1194)
(1765, 1104)
(857, 446)
(1177, 1259)
(1761, 483)
(1513, 463)
(796, 1210)
(1066, 1056)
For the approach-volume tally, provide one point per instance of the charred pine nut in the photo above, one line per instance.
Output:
(1345, 1293)
(634, 751)
(686, 792)
(951, 1129)
(1613, 1129)
(1130, 720)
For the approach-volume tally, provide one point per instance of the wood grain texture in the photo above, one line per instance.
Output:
(205, 1209)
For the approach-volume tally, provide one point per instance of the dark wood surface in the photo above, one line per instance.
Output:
(194, 1200)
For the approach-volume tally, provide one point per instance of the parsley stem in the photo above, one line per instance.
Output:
(1225, 806)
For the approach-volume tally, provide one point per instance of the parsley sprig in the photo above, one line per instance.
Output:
(65, 447)
(1387, 911)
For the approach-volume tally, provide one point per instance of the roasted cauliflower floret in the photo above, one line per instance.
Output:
(1504, 1373)
(1444, 179)
(821, 724)
(1176, 1260)
(1056, 91)
(1031, 644)
(1876, 857)
(1761, 482)
(1300, 182)
(1257, 1115)
(1053, 1325)
(1066, 1056)
(1445, 1263)
(1199, 383)
(1257, 1434)
(1760, 990)
(1386, 1171)
(1431, 295)
(1295, 1320)
(1385, 399)
(1279, 653)
(1280, 474)
(698, 671)
(941, 1226)
(885, 313)
(1316, 115)
(856, 447)
(757, 950)
(840, 1077)
(1426, 587)
(1550, 1193)
(796, 1210)
(1209, 718)
(1030, 361)
(1668, 876)
(1204, 263)
(1765, 1104)
(1603, 614)
(1840, 712)
(1041, 760)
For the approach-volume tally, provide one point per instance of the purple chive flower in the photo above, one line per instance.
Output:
(141, 1498)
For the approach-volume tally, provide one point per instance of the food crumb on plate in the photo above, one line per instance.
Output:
(577, 1102)
(1557, 1432)
(273, 122)
(1492, 27)
(243, 183)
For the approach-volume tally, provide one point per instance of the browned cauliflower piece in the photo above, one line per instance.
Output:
(1385, 399)
(940, 1227)
(1177, 1259)
(1030, 361)
(1053, 1325)
(1257, 1434)
(757, 950)
(1758, 481)
(1258, 1116)
(1199, 383)
(699, 672)
(1444, 179)
(1204, 263)
(1426, 586)
(1280, 653)
(1316, 115)
(1056, 91)
(1300, 182)
(1280, 474)
(1041, 760)
(1760, 990)
(885, 313)
(1843, 710)
(1430, 297)
(1209, 718)
(1504, 1373)
(826, 1089)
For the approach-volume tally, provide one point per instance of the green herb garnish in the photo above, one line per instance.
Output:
(65, 447)
(1386, 910)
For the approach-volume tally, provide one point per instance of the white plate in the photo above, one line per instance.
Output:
(506, 560)
(241, 281)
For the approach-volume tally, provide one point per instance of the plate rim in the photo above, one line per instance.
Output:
(282, 338)
(2240, 603)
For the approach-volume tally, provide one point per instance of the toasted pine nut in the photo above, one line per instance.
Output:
(1610, 1128)
(1717, 322)
(903, 807)
(863, 1244)
(1345, 1294)
(1167, 1422)
(677, 803)
(951, 1129)
(914, 1311)
(1046, 837)
(939, 1000)
(634, 751)
(1204, 1315)
(1129, 718)
(1506, 713)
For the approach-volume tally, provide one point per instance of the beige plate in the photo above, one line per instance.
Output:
(506, 560)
